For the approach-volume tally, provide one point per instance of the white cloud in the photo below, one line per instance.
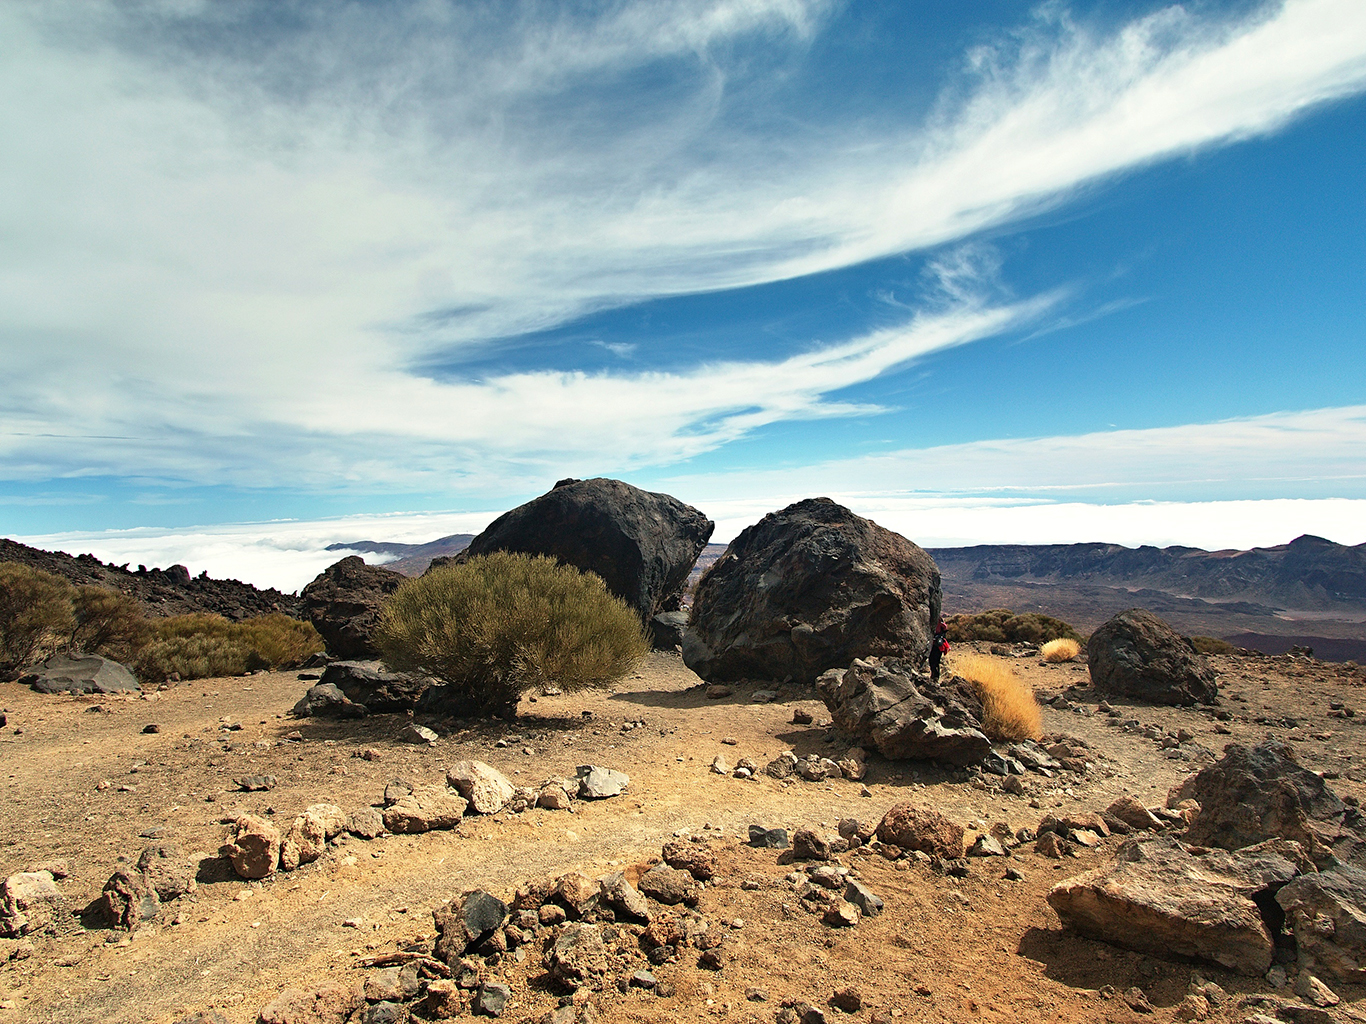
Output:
(218, 261)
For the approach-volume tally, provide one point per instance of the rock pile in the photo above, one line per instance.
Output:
(811, 588)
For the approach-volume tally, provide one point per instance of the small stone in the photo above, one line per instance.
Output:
(255, 783)
(850, 1000)
(491, 999)
(719, 766)
(756, 995)
(868, 902)
(717, 691)
(986, 846)
(768, 838)
(1193, 1007)
(149, 730)
(1309, 987)
(643, 979)
(417, 734)
(1013, 875)
(800, 716)
(730, 741)
(596, 783)
(809, 845)
(1137, 1000)
(842, 915)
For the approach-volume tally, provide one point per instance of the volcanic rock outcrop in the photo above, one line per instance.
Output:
(641, 543)
(1136, 654)
(810, 588)
(343, 603)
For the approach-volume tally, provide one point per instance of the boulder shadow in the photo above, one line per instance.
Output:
(1082, 963)
(214, 870)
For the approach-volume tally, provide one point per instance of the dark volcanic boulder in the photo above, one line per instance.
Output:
(372, 686)
(642, 544)
(811, 588)
(1257, 793)
(343, 604)
(80, 673)
(887, 705)
(1136, 654)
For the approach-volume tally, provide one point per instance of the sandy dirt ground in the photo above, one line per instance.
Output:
(83, 782)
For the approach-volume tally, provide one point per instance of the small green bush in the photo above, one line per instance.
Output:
(1001, 625)
(197, 656)
(36, 618)
(202, 644)
(502, 624)
(1211, 645)
(109, 623)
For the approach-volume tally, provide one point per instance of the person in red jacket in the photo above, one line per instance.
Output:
(939, 646)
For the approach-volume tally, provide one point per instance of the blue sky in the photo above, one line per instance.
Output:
(282, 274)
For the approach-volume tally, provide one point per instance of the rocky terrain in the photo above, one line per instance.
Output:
(161, 592)
(737, 928)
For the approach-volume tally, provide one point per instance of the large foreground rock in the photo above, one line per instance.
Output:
(30, 902)
(1160, 897)
(920, 828)
(1136, 654)
(1327, 913)
(80, 673)
(1256, 793)
(888, 705)
(807, 589)
(642, 544)
(343, 604)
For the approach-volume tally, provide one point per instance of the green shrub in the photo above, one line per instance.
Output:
(1211, 645)
(202, 644)
(501, 624)
(108, 623)
(197, 656)
(1001, 625)
(36, 617)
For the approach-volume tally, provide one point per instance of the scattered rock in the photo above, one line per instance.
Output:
(810, 588)
(167, 871)
(1050, 844)
(578, 955)
(554, 797)
(868, 902)
(491, 999)
(1137, 1000)
(695, 858)
(1309, 987)
(418, 734)
(309, 833)
(1136, 654)
(986, 846)
(624, 898)
(1134, 814)
(850, 1000)
(80, 673)
(329, 1003)
(253, 848)
(841, 915)
(597, 783)
(1161, 898)
(127, 901)
(393, 985)
(465, 922)
(30, 903)
(344, 602)
(768, 838)
(424, 809)
(919, 828)
(669, 885)
(810, 845)
(255, 783)
(887, 705)
(487, 789)
(324, 700)
(800, 716)
(370, 685)
(667, 630)
(365, 823)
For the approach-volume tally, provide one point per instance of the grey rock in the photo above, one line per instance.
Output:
(485, 787)
(596, 783)
(256, 783)
(667, 629)
(127, 901)
(80, 673)
(577, 955)
(768, 838)
(418, 734)
(324, 700)
(1001, 764)
(491, 999)
(986, 846)
(1136, 654)
(624, 898)
(889, 706)
(365, 823)
(868, 902)
(384, 1013)
(393, 984)
(369, 684)
(810, 588)
(465, 922)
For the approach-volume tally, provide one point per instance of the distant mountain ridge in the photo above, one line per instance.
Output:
(412, 559)
(1308, 574)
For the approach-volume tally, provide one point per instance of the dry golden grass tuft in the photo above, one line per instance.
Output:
(1062, 649)
(1009, 710)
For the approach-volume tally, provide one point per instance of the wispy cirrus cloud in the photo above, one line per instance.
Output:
(226, 224)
